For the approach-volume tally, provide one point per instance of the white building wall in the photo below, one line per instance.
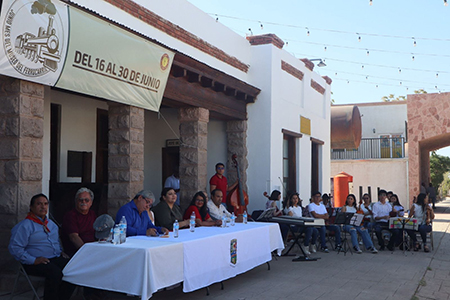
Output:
(383, 118)
(78, 131)
(280, 104)
(388, 174)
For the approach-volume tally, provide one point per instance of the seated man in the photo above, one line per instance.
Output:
(216, 209)
(138, 221)
(77, 226)
(318, 211)
(381, 210)
(35, 243)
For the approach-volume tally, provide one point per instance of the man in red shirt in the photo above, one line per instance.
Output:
(219, 181)
(78, 223)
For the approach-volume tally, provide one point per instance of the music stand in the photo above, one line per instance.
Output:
(267, 214)
(344, 218)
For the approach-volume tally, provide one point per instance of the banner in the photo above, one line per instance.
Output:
(108, 62)
(34, 40)
(95, 57)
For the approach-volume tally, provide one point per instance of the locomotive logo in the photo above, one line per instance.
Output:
(33, 47)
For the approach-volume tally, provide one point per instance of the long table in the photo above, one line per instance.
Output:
(143, 265)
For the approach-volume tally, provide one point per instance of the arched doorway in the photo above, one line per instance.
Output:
(428, 130)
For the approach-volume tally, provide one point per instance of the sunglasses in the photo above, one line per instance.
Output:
(84, 199)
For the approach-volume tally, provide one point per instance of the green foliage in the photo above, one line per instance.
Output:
(439, 165)
(392, 97)
(445, 185)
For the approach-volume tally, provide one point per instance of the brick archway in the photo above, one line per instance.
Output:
(428, 130)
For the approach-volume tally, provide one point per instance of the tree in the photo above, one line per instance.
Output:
(439, 165)
(392, 97)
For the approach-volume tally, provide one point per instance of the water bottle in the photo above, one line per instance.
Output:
(245, 217)
(123, 230)
(233, 219)
(192, 222)
(116, 236)
(224, 221)
(176, 227)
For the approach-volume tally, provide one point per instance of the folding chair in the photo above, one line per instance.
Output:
(22, 272)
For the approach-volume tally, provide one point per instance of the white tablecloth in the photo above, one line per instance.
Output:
(138, 267)
(207, 251)
(143, 264)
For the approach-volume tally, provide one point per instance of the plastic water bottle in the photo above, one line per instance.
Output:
(245, 217)
(224, 221)
(176, 227)
(116, 236)
(192, 222)
(233, 219)
(123, 230)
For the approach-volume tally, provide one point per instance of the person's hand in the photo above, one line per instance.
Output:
(65, 255)
(41, 260)
(165, 230)
(218, 222)
(152, 232)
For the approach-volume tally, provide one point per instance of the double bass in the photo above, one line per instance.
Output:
(237, 197)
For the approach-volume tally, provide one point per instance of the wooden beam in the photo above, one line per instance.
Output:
(188, 94)
(192, 76)
(206, 82)
(230, 91)
(177, 71)
(202, 69)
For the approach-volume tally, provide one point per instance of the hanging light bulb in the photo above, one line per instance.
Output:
(367, 52)
(399, 70)
(437, 75)
(412, 57)
(217, 19)
(348, 82)
(370, 2)
(335, 74)
(325, 48)
(307, 31)
(377, 86)
(407, 88)
(262, 26)
(362, 67)
(414, 41)
(435, 87)
(287, 43)
(367, 77)
(400, 83)
(359, 38)
(445, 3)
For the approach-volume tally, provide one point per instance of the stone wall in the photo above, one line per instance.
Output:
(21, 149)
(193, 152)
(428, 129)
(237, 144)
(126, 154)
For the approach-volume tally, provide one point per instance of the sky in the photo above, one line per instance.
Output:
(370, 51)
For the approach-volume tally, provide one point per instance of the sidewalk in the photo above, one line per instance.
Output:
(386, 275)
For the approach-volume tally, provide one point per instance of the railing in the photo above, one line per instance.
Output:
(393, 147)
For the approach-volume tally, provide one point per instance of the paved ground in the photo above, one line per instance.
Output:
(386, 275)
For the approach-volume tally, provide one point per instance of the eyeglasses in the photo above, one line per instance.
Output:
(199, 200)
(149, 202)
(84, 200)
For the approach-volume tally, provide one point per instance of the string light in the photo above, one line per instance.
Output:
(414, 42)
(399, 70)
(370, 2)
(445, 3)
(377, 86)
(325, 48)
(400, 83)
(307, 31)
(367, 77)
(251, 32)
(412, 57)
(262, 26)
(359, 37)
(362, 67)
(437, 75)
(367, 52)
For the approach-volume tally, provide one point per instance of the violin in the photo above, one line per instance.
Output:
(237, 197)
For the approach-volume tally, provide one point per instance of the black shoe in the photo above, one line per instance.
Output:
(382, 248)
(390, 248)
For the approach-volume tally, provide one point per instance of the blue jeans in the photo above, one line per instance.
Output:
(322, 233)
(423, 230)
(311, 234)
(395, 233)
(363, 232)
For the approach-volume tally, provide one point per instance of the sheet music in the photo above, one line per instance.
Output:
(356, 219)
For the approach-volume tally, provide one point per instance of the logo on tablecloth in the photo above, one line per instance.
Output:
(233, 252)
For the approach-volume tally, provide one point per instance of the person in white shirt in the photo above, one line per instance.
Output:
(216, 209)
(318, 211)
(381, 211)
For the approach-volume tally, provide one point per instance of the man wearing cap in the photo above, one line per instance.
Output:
(77, 226)
(35, 244)
(138, 221)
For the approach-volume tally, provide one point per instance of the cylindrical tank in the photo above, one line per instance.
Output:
(341, 188)
(345, 127)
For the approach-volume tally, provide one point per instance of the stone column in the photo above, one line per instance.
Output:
(126, 154)
(21, 148)
(237, 144)
(193, 152)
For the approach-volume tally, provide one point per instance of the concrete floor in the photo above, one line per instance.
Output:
(386, 275)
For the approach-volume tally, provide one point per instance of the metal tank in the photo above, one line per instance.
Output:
(345, 127)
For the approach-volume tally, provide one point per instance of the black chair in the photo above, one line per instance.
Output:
(22, 273)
